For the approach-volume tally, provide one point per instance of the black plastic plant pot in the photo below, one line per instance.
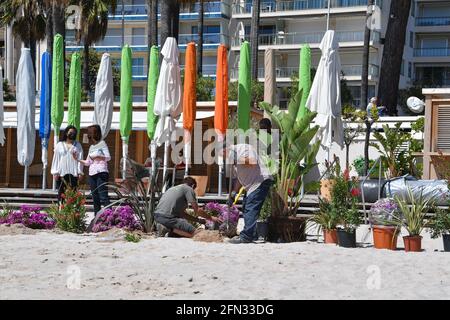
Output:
(262, 229)
(346, 239)
(446, 240)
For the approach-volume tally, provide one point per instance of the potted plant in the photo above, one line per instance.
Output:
(326, 221)
(344, 197)
(411, 216)
(381, 218)
(262, 225)
(328, 180)
(439, 225)
(297, 156)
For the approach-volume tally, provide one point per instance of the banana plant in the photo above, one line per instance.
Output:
(297, 155)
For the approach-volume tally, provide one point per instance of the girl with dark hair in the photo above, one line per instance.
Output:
(65, 167)
(97, 161)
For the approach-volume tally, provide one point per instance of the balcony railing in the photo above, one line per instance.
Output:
(208, 70)
(276, 6)
(432, 21)
(142, 9)
(356, 70)
(432, 52)
(433, 83)
(141, 40)
(288, 72)
(300, 38)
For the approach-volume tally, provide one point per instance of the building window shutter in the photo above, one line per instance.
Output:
(443, 139)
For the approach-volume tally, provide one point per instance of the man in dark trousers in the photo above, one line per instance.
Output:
(170, 213)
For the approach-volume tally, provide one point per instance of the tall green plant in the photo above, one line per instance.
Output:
(412, 212)
(389, 146)
(297, 155)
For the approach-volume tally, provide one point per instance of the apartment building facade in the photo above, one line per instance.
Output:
(286, 26)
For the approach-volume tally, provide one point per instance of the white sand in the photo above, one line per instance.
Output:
(39, 266)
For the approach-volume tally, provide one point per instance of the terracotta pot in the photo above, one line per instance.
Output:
(385, 237)
(325, 188)
(202, 183)
(330, 236)
(413, 243)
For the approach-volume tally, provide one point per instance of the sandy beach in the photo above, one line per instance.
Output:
(56, 265)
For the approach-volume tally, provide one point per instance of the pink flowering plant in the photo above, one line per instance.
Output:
(30, 216)
(382, 212)
(229, 216)
(120, 217)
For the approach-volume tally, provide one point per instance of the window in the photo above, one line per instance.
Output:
(413, 8)
(113, 37)
(402, 68)
(409, 70)
(138, 67)
(206, 29)
(138, 38)
(138, 94)
(411, 39)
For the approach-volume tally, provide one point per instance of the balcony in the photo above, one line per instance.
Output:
(432, 52)
(139, 42)
(280, 38)
(433, 82)
(280, 6)
(187, 12)
(285, 74)
(208, 70)
(432, 21)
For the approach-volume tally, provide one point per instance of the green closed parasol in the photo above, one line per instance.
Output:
(153, 74)
(57, 102)
(304, 77)
(244, 90)
(74, 116)
(126, 102)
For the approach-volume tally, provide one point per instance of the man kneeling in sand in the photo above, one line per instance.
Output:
(170, 213)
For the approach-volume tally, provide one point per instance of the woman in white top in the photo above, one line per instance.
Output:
(65, 168)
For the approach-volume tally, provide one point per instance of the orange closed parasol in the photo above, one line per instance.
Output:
(189, 99)
(221, 109)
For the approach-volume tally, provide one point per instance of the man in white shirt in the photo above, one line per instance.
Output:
(254, 176)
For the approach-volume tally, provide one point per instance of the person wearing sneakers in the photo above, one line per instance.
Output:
(252, 174)
(170, 213)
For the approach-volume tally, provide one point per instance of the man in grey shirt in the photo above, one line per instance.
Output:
(171, 209)
(254, 176)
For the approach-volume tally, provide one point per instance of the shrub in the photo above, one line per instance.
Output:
(120, 217)
(71, 214)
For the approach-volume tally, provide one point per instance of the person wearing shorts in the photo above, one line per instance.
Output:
(170, 213)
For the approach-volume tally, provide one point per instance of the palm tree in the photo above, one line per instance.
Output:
(152, 22)
(254, 35)
(393, 54)
(28, 21)
(94, 24)
(59, 16)
(170, 12)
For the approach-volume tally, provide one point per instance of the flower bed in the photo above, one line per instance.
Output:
(120, 217)
(29, 216)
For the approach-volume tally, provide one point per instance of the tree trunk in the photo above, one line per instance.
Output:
(49, 29)
(86, 70)
(152, 23)
(200, 37)
(393, 54)
(170, 11)
(365, 62)
(254, 35)
(366, 146)
(59, 23)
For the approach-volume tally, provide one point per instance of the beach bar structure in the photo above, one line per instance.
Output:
(436, 154)
(11, 173)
